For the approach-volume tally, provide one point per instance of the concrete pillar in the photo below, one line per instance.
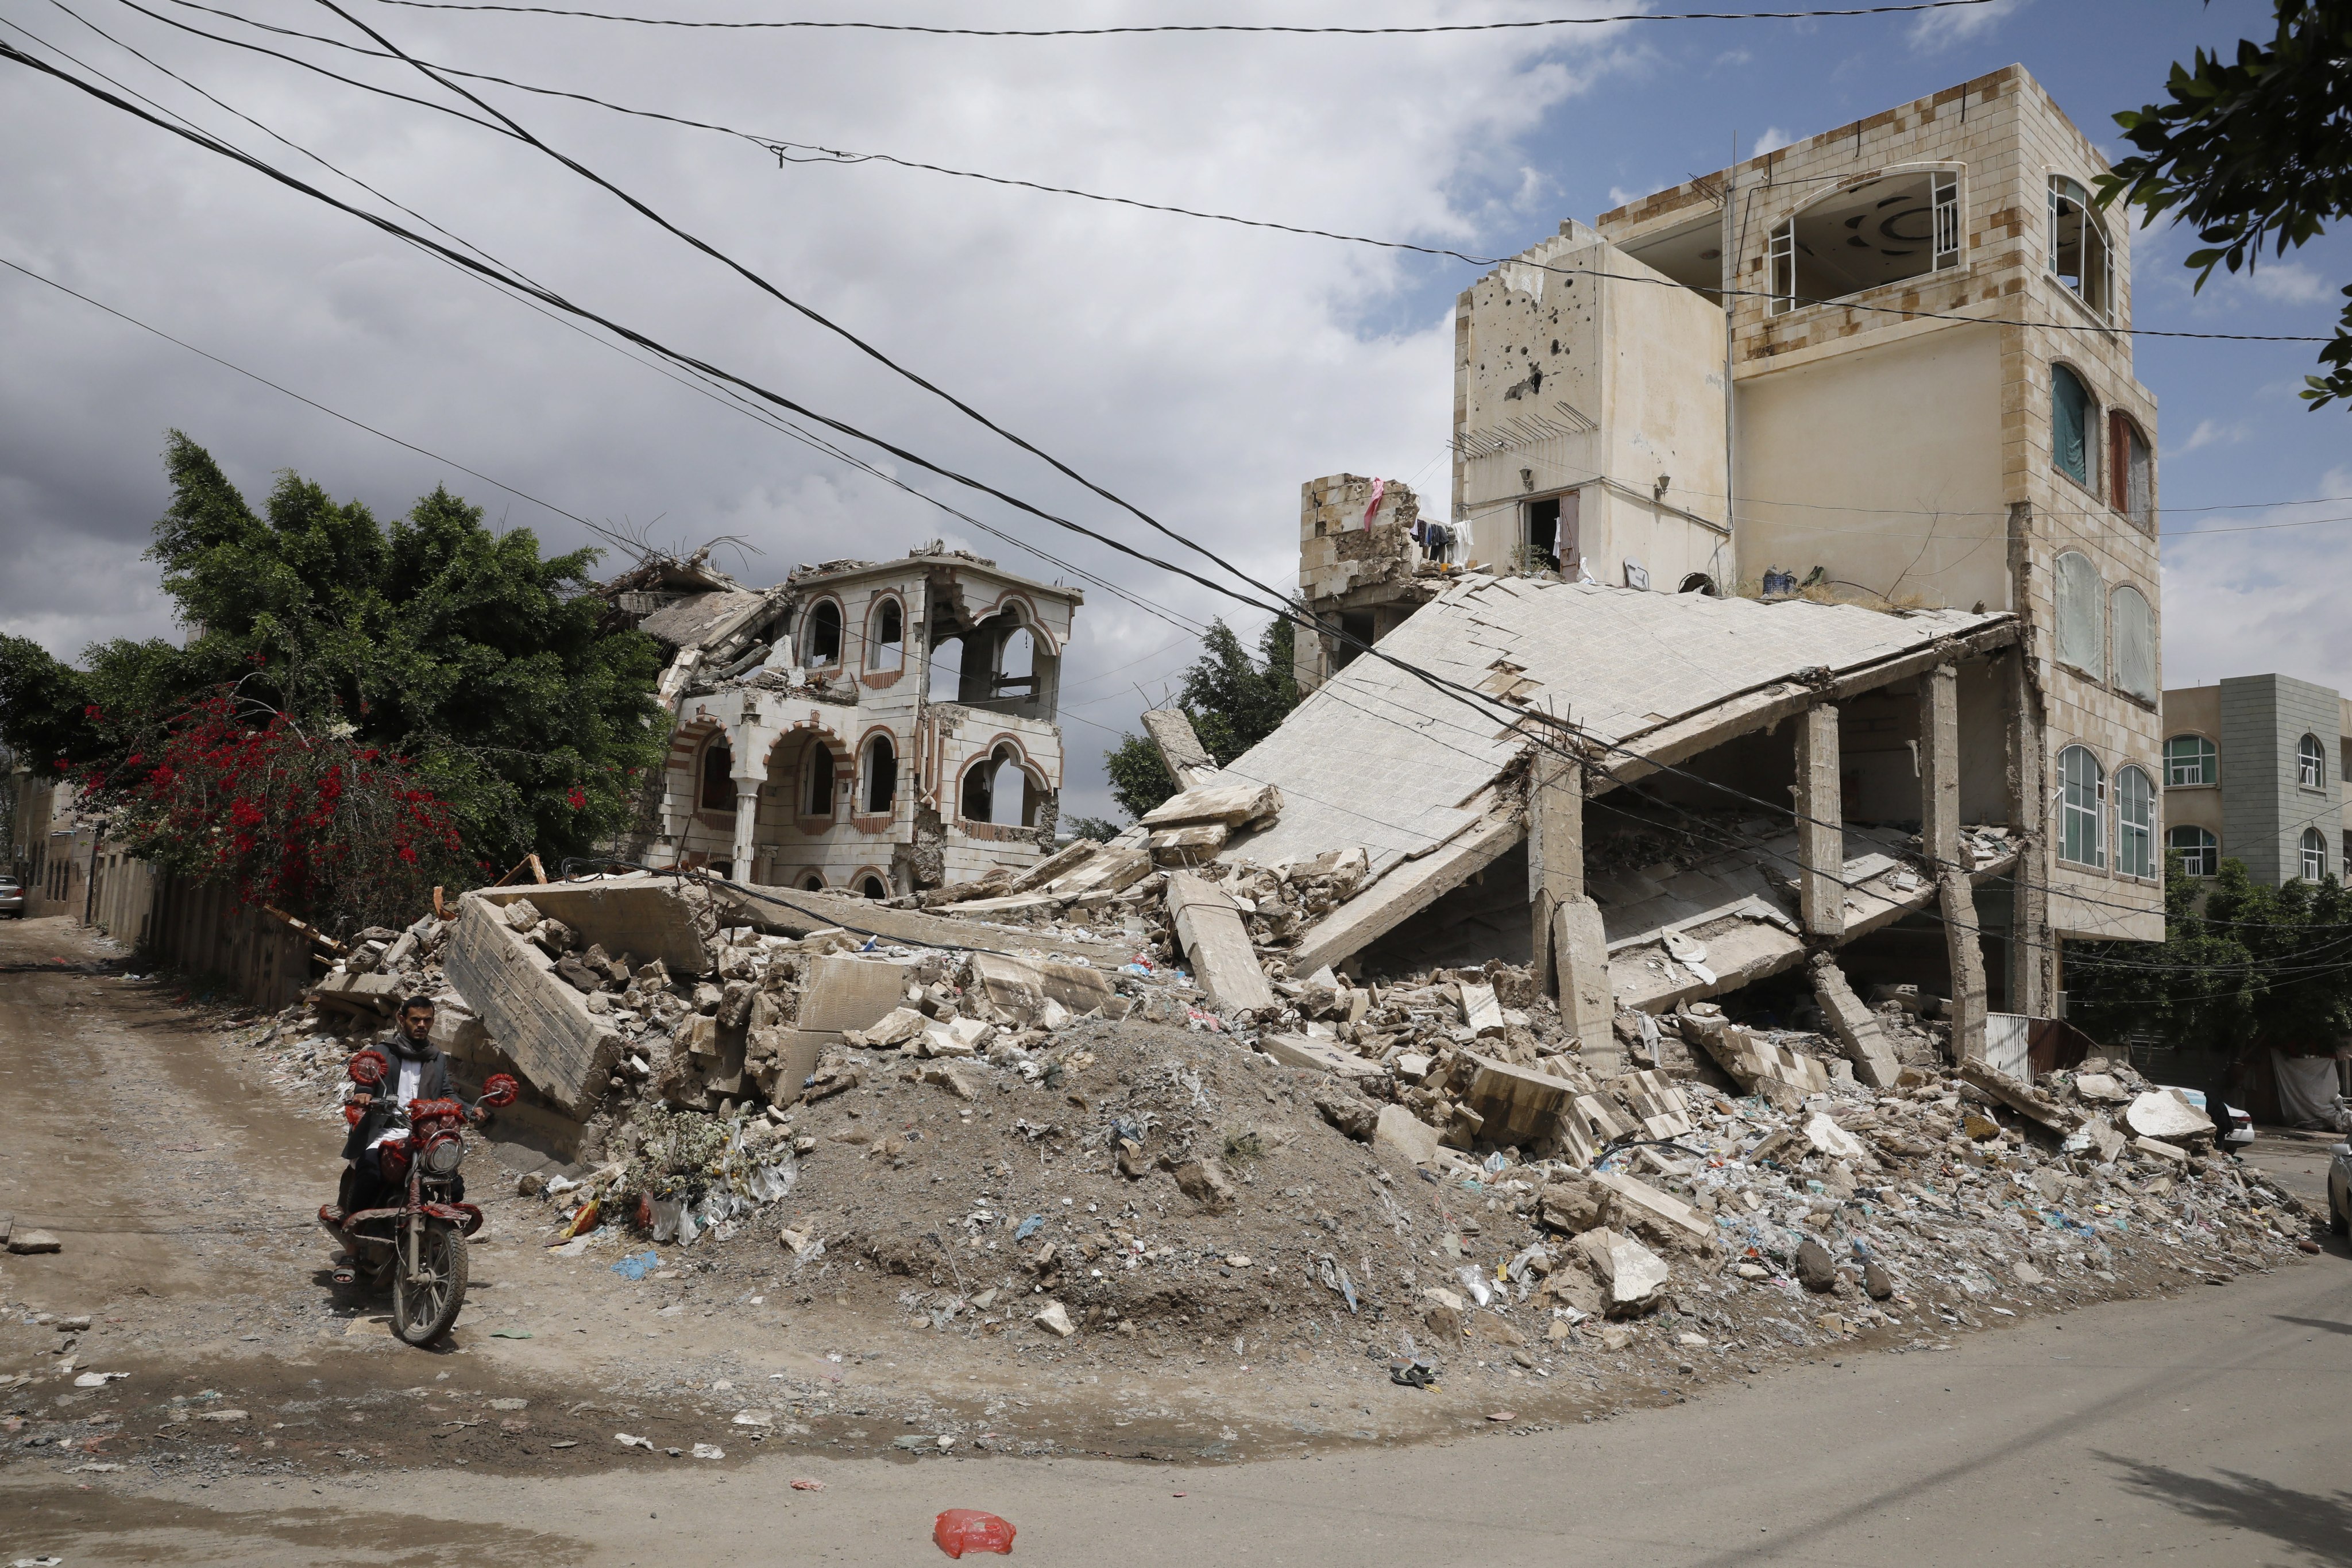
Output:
(1587, 1006)
(747, 820)
(1955, 900)
(2028, 803)
(1939, 765)
(1555, 847)
(1855, 1027)
(1820, 837)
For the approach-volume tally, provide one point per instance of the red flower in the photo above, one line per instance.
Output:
(578, 797)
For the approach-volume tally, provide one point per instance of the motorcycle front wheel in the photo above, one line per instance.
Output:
(425, 1301)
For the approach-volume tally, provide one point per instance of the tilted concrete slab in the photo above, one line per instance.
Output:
(536, 1018)
(643, 917)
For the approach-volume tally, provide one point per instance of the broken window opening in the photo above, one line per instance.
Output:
(2199, 851)
(881, 774)
(2082, 814)
(2135, 823)
(2131, 473)
(1879, 232)
(2310, 763)
(2314, 855)
(2070, 425)
(1357, 632)
(1016, 662)
(1689, 253)
(719, 776)
(2079, 256)
(2082, 615)
(886, 638)
(2190, 759)
(817, 800)
(823, 645)
(873, 888)
(2134, 623)
(1700, 583)
(947, 666)
(1551, 535)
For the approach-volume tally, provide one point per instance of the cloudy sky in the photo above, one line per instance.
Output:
(1199, 370)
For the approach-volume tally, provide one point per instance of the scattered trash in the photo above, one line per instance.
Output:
(638, 1266)
(630, 1440)
(98, 1379)
(708, 1451)
(963, 1530)
(803, 1484)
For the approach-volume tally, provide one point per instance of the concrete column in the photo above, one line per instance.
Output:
(2028, 802)
(1587, 1006)
(1856, 1026)
(1820, 837)
(1939, 765)
(1955, 900)
(747, 820)
(1555, 847)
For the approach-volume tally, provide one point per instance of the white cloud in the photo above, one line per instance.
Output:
(2210, 433)
(1771, 140)
(2290, 283)
(1938, 30)
(2243, 595)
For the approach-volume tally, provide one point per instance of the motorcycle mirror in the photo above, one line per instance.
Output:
(499, 1088)
(368, 1068)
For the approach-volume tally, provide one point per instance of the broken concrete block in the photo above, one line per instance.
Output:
(577, 974)
(1634, 1278)
(645, 916)
(32, 1241)
(1480, 1011)
(2156, 1149)
(1855, 1027)
(1059, 864)
(697, 1035)
(1195, 845)
(1180, 752)
(2023, 1097)
(2100, 1088)
(1576, 1206)
(1318, 1056)
(962, 1079)
(1876, 1283)
(889, 1032)
(1232, 804)
(1206, 1182)
(1516, 1104)
(845, 992)
(1022, 989)
(2160, 1113)
(1351, 1113)
(1816, 1269)
(542, 1024)
(956, 1037)
(1054, 1320)
(521, 914)
(1402, 1132)
(779, 1059)
(1660, 1214)
(2104, 1139)
(1753, 1062)
(1209, 926)
(1827, 1137)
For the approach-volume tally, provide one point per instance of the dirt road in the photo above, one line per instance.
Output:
(265, 1419)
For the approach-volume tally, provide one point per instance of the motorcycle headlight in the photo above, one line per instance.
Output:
(445, 1156)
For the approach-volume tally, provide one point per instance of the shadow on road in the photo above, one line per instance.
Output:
(2318, 1525)
(2330, 1324)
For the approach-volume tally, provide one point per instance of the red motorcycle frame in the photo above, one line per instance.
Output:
(417, 1246)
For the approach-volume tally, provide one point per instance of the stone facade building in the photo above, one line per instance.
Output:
(869, 727)
(2253, 770)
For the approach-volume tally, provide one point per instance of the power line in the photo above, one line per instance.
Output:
(1424, 30)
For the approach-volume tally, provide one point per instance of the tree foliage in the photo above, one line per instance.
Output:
(471, 667)
(2243, 966)
(1233, 700)
(2252, 151)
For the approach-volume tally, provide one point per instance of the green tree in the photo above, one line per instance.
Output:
(2252, 151)
(1233, 700)
(435, 639)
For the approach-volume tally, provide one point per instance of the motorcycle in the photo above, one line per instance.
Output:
(417, 1246)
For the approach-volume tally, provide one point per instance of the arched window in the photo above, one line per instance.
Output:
(823, 644)
(979, 790)
(718, 776)
(1881, 231)
(2131, 472)
(2314, 855)
(2135, 652)
(881, 774)
(2082, 615)
(873, 888)
(996, 790)
(2078, 247)
(2199, 851)
(2310, 763)
(2082, 801)
(2134, 823)
(817, 800)
(1699, 582)
(2070, 425)
(814, 882)
(886, 638)
(2190, 759)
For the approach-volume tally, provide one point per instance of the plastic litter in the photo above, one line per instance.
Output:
(963, 1530)
(638, 1267)
(1029, 1228)
(803, 1484)
(1413, 1374)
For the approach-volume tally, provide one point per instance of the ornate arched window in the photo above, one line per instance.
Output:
(816, 799)
(717, 787)
(881, 766)
(822, 644)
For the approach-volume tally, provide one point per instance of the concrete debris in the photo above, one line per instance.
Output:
(1231, 805)
(2161, 1115)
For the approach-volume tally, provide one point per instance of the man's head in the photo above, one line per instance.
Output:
(416, 1017)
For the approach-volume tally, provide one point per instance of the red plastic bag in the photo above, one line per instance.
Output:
(963, 1530)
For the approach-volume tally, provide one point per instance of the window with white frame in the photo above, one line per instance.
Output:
(2079, 255)
(2134, 644)
(1881, 231)
(2134, 823)
(2199, 851)
(2310, 763)
(2081, 807)
(2190, 759)
(2082, 615)
(2314, 855)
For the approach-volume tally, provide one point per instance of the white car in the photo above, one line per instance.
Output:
(2241, 1124)
(2339, 1190)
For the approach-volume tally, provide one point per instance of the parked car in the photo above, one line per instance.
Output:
(12, 898)
(2339, 1190)
(2241, 1123)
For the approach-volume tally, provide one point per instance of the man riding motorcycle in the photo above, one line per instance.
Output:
(417, 1071)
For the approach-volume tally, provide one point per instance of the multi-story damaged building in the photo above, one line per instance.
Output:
(1887, 365)
(869, 727)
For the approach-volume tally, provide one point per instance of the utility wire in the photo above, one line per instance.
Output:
(1424, 30)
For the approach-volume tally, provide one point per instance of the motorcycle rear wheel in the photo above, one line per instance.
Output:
(425, 1305)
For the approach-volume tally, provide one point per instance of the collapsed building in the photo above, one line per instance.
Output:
(874, 726)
